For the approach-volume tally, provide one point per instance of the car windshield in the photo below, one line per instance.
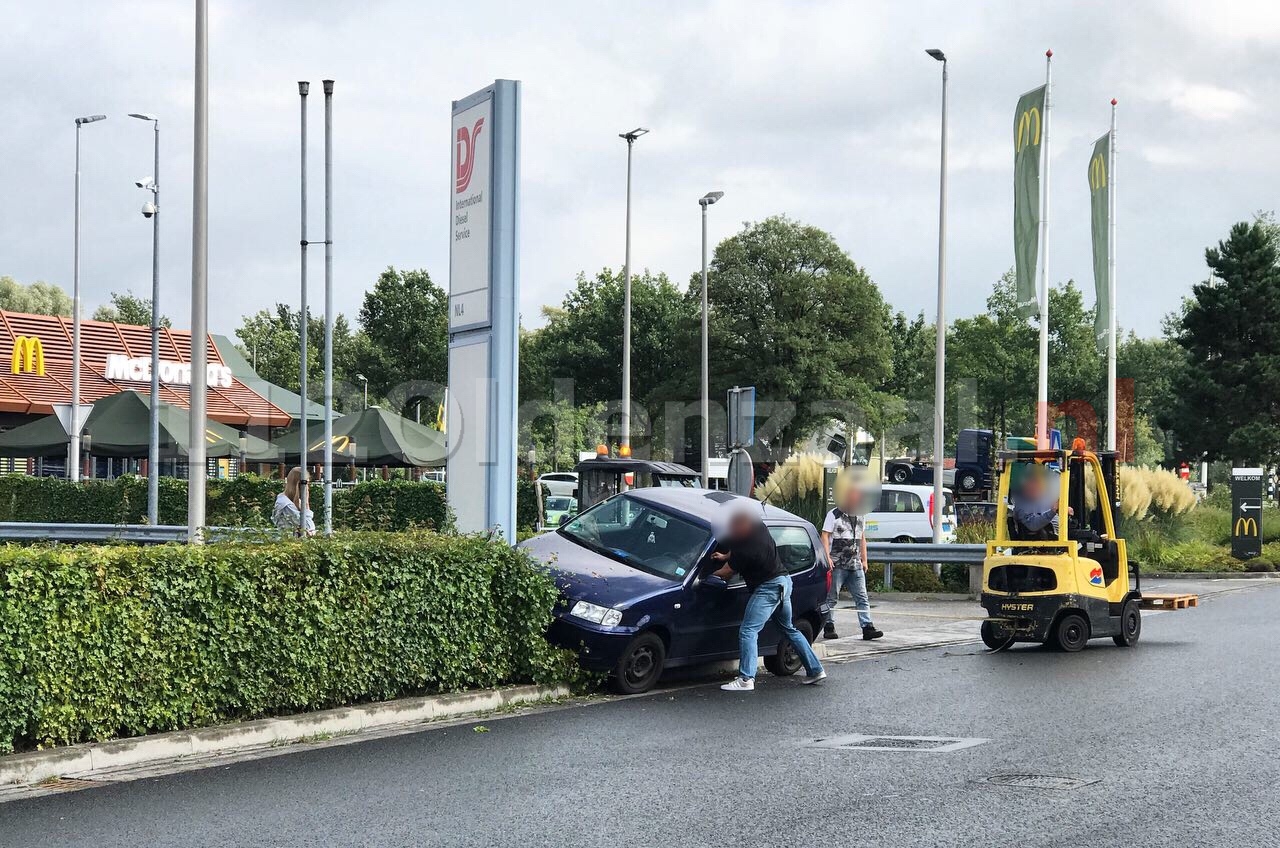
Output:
(559, 504)
(640, 535)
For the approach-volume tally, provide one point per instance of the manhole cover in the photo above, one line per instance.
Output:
(925, 744)
(1039, 781)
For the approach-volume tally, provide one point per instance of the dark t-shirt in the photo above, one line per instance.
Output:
(755, 557)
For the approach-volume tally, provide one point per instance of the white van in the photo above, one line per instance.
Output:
(904, 515)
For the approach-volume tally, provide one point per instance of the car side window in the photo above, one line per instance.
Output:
(795, 548)
(887, 501)
(911, 502)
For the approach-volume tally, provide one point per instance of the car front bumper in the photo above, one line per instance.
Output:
(598, 648)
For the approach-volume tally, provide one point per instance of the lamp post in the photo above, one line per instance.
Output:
(630, 138)
(151, 209)
(199, 471)
(939, 365)
(362, 378)
(705, 201)
(303, 88)
(74, 459)
(244, 449)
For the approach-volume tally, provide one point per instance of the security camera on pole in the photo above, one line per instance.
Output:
(151, 209)
(630, 138)
(706, 200)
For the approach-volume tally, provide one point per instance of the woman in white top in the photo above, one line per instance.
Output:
(288, 507)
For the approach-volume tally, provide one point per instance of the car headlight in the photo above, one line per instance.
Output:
(593, 612)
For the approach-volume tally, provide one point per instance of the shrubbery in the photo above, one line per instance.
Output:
(244, 501)
(103, 642)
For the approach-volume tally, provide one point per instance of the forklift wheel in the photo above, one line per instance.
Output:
(1130, 625)
(1070, 633)
(991, 640)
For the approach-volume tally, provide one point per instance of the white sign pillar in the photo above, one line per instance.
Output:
(484, 193)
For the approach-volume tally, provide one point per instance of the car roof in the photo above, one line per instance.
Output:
(907, 487)
(711, 506)
(617, 464)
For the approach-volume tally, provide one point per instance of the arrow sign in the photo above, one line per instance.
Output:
(1245, 507)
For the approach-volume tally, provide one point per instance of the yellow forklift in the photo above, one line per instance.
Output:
(1055, 572)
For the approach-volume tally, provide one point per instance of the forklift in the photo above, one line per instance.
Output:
(1056, 573)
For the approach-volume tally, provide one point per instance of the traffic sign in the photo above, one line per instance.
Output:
(1246, 512)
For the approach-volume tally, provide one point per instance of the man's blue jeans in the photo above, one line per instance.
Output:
(771, 599)
(855, 580)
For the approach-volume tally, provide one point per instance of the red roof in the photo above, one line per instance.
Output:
(32, 393)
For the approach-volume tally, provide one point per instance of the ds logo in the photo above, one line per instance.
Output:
(465, 155)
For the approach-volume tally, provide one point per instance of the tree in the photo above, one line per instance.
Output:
(269, 341)
(997, 352)
(1226, 396)
(127, 308)
(38, 298)
(1152, 366)
(582, 339)
(1077, 372)
(404, 344)
(793, 315)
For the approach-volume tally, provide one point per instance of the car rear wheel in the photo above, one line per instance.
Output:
(1130, 625)
(786, 661)
(899, 474)
(640, 665)
(903, 540)
(1071, 633)
(968, 482)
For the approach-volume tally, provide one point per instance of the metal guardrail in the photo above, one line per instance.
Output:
(144, 534)
(893, 552)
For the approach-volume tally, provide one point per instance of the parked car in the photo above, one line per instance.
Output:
(561, 483)
(904, 514)
(560, 509)
(635, 595)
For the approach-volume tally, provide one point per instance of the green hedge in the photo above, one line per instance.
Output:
(105, 642)
(245, 501)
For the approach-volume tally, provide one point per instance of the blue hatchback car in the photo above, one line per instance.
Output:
(637, 595)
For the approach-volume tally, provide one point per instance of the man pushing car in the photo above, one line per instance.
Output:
(749, 551)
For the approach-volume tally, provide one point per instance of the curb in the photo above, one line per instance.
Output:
(921, 596)
(1211, 575)
(86, 758)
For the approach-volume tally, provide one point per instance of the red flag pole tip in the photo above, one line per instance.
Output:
(1049, 53)
(1113, 101)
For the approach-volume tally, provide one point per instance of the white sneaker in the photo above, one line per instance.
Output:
(816, 678)
(739, 684)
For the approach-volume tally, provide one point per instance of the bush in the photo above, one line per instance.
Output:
(104, 642)
(907, 578)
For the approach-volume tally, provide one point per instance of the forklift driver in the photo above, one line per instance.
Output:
(1035, 506)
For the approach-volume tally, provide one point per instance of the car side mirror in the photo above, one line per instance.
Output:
(713, 582)
(564, 519)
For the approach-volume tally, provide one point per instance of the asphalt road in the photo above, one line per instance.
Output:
(1179, 735)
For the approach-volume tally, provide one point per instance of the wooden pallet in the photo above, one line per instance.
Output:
(1169, 601)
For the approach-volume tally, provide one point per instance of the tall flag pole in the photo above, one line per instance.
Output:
(1102, 206)
(1042, 399)
(1112, 421)
(1030, 205)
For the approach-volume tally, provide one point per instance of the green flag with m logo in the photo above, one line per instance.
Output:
(1028, 132)
(1100, 211)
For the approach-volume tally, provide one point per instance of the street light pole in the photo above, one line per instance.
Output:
(197, 470)
(939, 365)
(630, 138)
(303, 88)
(362, 378)
(328, 307)
(705, 201)
(74, 459)
(153, 436)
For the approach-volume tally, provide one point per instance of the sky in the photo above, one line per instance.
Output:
(827, 112)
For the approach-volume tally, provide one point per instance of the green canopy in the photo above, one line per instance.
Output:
(119, 425)
(372, 438)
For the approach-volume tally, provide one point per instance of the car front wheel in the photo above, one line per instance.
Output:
(786, 661)
(640, 665)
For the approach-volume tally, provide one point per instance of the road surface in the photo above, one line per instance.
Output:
(1171, 743)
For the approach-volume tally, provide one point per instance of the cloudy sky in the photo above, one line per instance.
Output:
(824, 111)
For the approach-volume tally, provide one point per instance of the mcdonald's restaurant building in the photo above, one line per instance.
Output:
(116, 358)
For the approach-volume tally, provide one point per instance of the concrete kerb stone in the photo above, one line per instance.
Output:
(86, 759)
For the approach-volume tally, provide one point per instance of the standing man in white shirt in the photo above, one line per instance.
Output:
(846, 544)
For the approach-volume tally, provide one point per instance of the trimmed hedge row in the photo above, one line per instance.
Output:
(105, 642)
(245, 501)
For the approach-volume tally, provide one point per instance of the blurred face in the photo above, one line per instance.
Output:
(741, 526)
(1033, 486)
